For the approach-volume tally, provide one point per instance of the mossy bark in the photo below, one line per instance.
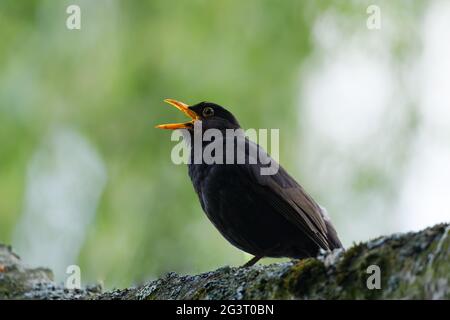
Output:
(412, 266)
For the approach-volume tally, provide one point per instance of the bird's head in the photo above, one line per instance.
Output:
(210, 114)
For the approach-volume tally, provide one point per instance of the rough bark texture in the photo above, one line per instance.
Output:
(413, 266)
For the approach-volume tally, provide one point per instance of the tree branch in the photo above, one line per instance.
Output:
(412, 266)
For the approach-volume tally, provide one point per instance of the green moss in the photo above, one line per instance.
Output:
(351, 254)
(199, 294)
(304, 275)
(351, 272)
(344, 270)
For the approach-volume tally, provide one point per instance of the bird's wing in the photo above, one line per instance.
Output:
(288, 198)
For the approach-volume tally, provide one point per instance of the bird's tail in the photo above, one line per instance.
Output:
(332, 237)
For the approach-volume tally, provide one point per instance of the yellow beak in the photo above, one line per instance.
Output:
(183, 108)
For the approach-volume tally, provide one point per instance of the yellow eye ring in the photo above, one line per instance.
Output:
(208, 112)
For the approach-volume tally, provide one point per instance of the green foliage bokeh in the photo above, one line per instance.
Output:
(108, 81)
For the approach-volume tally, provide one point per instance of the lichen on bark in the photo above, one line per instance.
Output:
(414, 265)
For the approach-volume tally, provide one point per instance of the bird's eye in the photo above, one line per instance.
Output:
(208, 112)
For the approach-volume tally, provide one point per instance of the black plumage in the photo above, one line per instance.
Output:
(264, 215)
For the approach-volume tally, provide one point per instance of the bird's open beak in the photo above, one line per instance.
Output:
(183, 108)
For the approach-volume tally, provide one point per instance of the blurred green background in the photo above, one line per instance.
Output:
(86, 179)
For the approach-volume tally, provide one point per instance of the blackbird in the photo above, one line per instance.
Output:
(266, 215)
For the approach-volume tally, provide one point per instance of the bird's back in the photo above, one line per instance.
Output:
(266, 215)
